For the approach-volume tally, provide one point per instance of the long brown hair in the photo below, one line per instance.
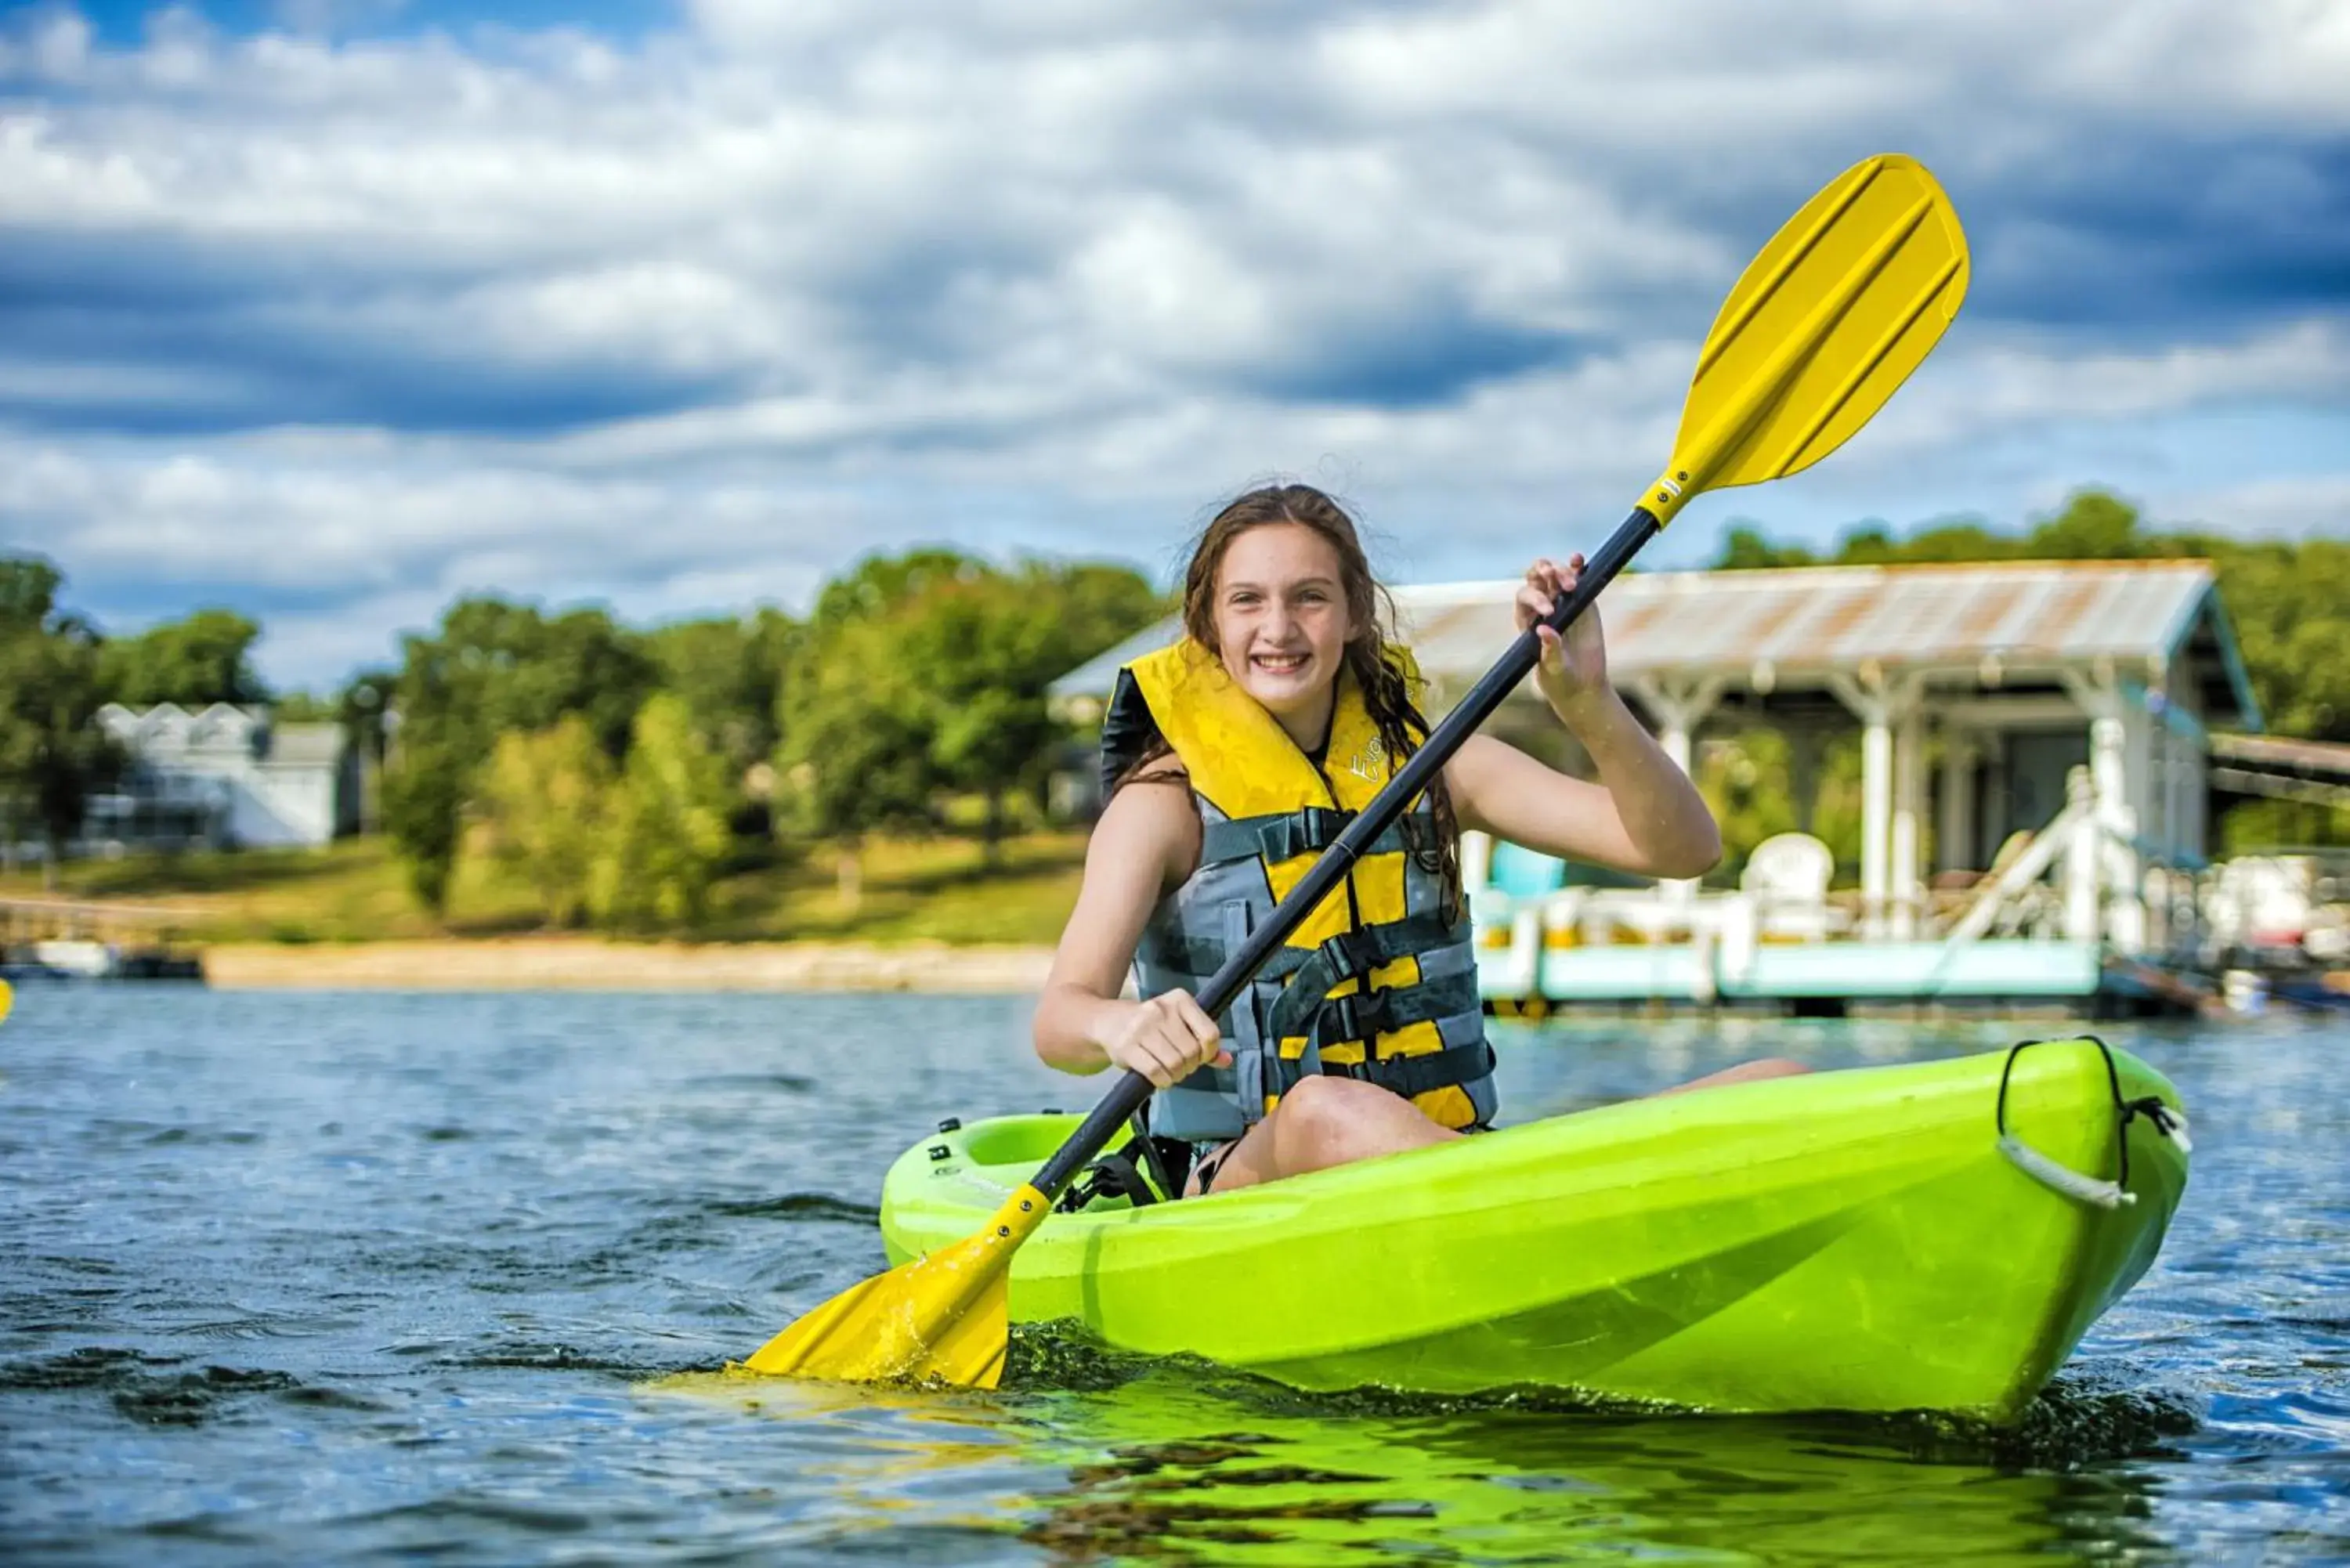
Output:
(1370, 613)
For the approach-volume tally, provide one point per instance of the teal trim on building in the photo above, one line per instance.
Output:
(2232, 658)
(1991, 969)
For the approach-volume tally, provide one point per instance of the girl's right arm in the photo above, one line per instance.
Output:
(1145, 840)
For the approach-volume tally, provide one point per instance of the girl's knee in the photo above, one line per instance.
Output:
(1319, 1100)
(1326, 1111)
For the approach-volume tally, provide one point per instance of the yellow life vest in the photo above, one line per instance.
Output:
(1375, 983)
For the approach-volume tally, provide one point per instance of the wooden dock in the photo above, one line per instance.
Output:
(64, 939)
(1831, 978)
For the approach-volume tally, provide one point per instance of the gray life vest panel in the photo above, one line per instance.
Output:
(1230, 894)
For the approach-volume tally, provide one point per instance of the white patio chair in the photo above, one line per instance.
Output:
(1787, 878)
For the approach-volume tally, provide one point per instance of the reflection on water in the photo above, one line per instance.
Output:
(1520, 1486)
(318, 1280)
(1182, 1462)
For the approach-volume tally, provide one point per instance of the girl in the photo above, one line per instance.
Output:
(1232, 760)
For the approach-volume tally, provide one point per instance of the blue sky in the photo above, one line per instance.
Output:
(332, 310)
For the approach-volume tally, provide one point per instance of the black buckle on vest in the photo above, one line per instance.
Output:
(1352, 1017)
(1341, 953)
(1308, 830)
(1322, 825)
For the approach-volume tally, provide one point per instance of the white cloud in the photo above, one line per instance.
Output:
(2289, 507)
(707, 314)
(1985, 385)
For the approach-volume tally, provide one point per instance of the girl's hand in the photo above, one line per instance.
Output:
(1573, 666)
(1165, 1039)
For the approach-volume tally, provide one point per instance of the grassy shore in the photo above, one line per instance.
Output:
(914, 891)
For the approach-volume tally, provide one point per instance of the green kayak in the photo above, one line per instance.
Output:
(1932, 1236)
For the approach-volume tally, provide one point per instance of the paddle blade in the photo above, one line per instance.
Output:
(944, 1318)
(8, 1001)
(1846, 299)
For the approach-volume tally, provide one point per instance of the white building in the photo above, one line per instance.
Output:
(2016, 721)
(226, 777)
(1976, 689)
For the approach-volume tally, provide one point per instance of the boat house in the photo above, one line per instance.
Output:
(2035, 776)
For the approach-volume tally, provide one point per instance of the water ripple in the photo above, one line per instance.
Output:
(381, 1281)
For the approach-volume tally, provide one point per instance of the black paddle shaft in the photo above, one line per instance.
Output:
(1119, 1106)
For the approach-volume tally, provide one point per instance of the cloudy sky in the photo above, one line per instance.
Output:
(331, 310)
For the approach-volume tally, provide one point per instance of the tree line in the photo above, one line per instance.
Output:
(621, 771)
(618, 770)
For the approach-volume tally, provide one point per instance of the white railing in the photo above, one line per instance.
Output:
(2007, 901)
(2082, 878)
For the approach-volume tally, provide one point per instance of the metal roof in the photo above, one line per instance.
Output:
(1802, 623)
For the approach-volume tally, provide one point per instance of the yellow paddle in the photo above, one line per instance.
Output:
(1834, 313)
(8, 1001)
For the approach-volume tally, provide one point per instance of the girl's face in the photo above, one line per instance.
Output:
(1282, 622)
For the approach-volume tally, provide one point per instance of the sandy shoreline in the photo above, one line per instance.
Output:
(584, 963)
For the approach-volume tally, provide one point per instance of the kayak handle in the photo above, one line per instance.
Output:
(2090, 1189)
(2167, 1119)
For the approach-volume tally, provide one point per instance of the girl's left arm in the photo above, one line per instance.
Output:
(1643, 816)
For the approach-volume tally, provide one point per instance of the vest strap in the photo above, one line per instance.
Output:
(1408, 1075)
(1340, 1020)
(1350, 955)
(1202, 956)
(1309, 830)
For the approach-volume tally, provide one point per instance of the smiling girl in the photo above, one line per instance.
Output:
(1234, 759)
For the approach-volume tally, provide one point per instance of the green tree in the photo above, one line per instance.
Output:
(979, 656)
(195, 663)
(1868, 545)
(364, 709)
(28, 594)
(2093, 527)
(1744, 549)
(1748, 783)
(303, 708)
(1836, 801)
(855, 756)
(1095, 606)
(492, 667)
(545, 800)
(2290, 607)
(1957, 541)
(2252, 826)
(928, 673)
(730, 675)
(423, 811)
(53, 754)
(879, 585)
(987, 651)
(856, 728)
(668, 837)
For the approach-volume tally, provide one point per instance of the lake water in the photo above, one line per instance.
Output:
(362, 1278)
